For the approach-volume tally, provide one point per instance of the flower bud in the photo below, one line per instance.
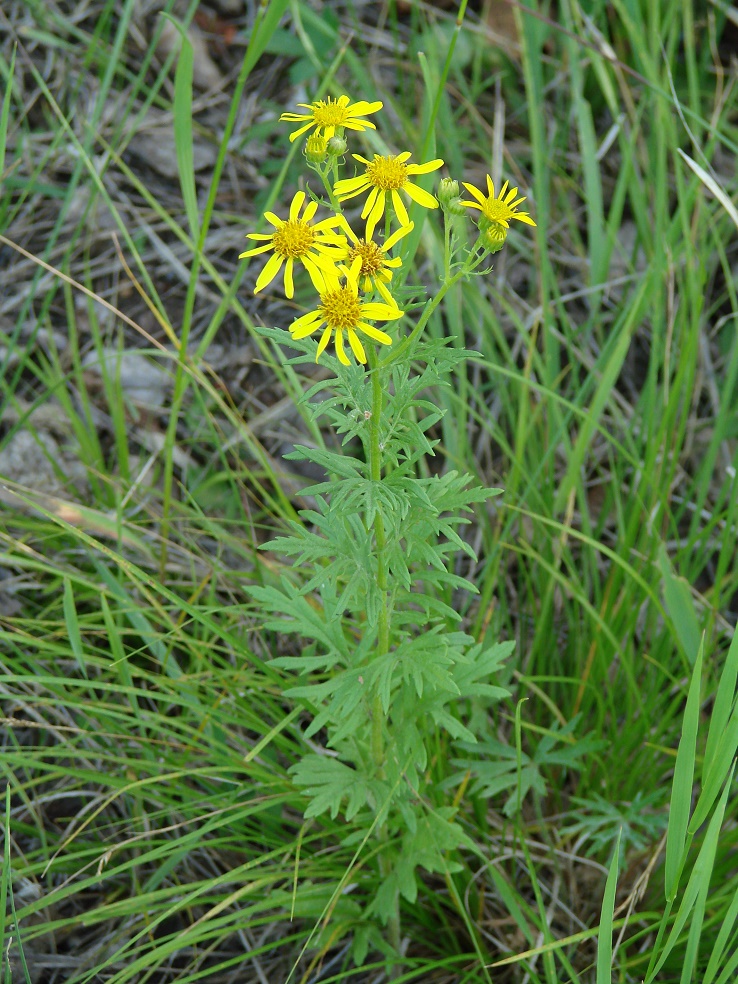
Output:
(336, 147)
(315, 148)
(493, 235)
(448, 196)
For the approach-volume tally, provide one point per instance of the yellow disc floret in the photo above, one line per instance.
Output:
(388, 173)
(341, 309)
(293, 239)
(372, 257)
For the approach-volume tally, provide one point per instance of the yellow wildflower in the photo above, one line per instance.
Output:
(376, 265)
(341, 310)
(315, 246)
(500, 208)
(329, 114)
(387, 175)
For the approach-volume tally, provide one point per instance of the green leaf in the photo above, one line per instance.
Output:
(680, 606)
(681, 790)
(183, 142)
(5, 113)
(695, 894)
(328, 782)
(604, 935)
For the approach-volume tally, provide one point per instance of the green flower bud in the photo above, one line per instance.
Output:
(316, 148)
(337, 147)
(493, 235)
(448, 197)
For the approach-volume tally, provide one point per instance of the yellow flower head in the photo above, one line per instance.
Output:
(329, 114)
(376, 265)
(315, 246)
(387, 175)
(500, 208)
(341, 310)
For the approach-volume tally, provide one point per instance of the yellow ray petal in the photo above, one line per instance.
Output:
(270, 271)
(421, 197)
(356, 347)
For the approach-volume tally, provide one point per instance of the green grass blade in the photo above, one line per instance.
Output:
(681, 791)
(725, 751)
(5, 114)
(5, 882)
(183, 129)
(604, 937)
(72, 622)
(680, 606)
(612, 364)
(695, 893)
(724, 699)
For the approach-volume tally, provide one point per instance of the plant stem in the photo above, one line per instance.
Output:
(375, 472)
(472, 261)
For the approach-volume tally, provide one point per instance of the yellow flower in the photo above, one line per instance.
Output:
(500, 208)
(387, 175)
(327, 115)
(341, 310)
(376, 266)
(296, 239)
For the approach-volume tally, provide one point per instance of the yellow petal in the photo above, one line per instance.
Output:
(475, 192)
(296, 133)
(310, 209)
(296, 205)
(400, 210)
(375, 333)
(302, 328)
(385, 293)
(289, 287)
(356, 347)
(270, 271)
(421, 197)
(425, 168)
(340, 351)
(255, 250)
(376, 213)
(315, 274)
(397, 235)
(381, 312)
(323, 343)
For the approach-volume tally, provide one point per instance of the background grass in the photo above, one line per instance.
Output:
(151, 830)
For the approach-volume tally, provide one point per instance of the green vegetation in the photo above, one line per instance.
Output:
(153, 829)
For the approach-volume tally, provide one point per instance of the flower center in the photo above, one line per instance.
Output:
(494, 210)
(329, 113)
(387, 173)
(372, 258)
(293, 239)
(340, 308)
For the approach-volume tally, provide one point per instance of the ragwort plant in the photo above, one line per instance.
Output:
(383, 666)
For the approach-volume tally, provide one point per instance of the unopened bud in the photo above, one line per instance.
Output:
(337, 147)
(316, 149)
(494, 235)
(448, 196)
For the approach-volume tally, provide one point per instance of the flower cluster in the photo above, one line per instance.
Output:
(346, 269)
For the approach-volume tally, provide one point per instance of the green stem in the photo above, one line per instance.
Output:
(375, 473)
(472, 261)
(329, 188)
